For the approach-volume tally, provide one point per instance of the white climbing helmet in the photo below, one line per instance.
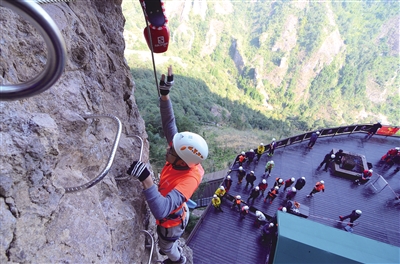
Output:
(333, 156)
(359, 212)
(251, 150)
(284, 209)
(245, 207)
(317, 132)
(264, 181)
(190, 147)
(271, 224)
(303, 178)
(371, 171)
(222, 188)
(257, 188)
(238, 197)
(240, 168)
(280, 180)
(214, 196)
(292, 179)
(252, 172)
(261, 144)
(243, 153)
(276, 188)
(272, 162)
(273, 139)
(228, 177)
(294, 189)
(397, 148)
(322, 182)
(258, 213)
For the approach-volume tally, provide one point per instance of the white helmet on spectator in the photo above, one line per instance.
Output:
(294, 189)
(397, 148)
(271, 224)
(261, 144)
(292, 179)
(359, 212)
(222, 188)
(273, 139)
(258, 213)
(243, 153)
(190, 147)
(252, 172)
(264, 181)
(240, 168)
(214, 196)
(251, 150)
(238, 197)
(257, 188)
(272, 162)
(333, 156)
(245, 207)
(317, 132)
(371, 171)
(303, 178)
(284, 209)
(228, 177)
(322, 182)
(276, 188)
(280, 180)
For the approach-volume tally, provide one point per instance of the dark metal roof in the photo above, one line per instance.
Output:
(222, 238)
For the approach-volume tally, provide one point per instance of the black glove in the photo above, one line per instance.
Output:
(165, 87)
(138, 169)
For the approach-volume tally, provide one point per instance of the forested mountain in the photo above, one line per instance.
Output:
(272, 65)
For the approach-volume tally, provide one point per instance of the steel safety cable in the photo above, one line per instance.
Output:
(151, 49)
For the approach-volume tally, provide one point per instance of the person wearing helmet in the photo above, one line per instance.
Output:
(259, 151)
(364, 177)
(263, 185)
(237, 202)
(227, 183)
(289, 183)
(240, 158)
(313, 139)
(243, 212)
(268, 233)
(272, 147)
(319, 186)
(255, 192)
(278, 182)
(354, 215)
(220, 192)
(217, 203)
(291, 193)
(373, 129)
(339, 156)
(179, 178)
(250, 178)
(241, 174)
(260, 219)
(390, 154)
(272, 194)
(327, 161)
(300, 183)
(250, 156)
(268, 167)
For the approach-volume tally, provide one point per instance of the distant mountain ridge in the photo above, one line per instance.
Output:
(323, 63)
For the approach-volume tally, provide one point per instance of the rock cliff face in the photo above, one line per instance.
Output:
(47, 145)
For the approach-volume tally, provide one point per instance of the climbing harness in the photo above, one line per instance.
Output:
(56, 51)
(120, 177)
(152, 244)
(110, 159)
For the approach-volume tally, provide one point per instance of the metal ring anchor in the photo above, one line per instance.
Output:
(56, 51)
(110, 159)
(121, 178)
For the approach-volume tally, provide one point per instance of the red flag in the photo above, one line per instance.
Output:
(387, 130)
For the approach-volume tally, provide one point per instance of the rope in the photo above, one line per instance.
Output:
(151, 49)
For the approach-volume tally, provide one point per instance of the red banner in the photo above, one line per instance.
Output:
(388, 130)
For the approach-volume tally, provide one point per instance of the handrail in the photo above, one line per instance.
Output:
(152, 245)
(56, 51)
(110, 159)
(121, 178)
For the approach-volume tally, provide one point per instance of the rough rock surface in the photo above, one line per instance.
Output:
(46, 144)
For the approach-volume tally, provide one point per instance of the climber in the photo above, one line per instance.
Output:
(180, 177)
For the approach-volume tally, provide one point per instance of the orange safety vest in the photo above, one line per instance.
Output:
(319, 186)
(184, 181)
